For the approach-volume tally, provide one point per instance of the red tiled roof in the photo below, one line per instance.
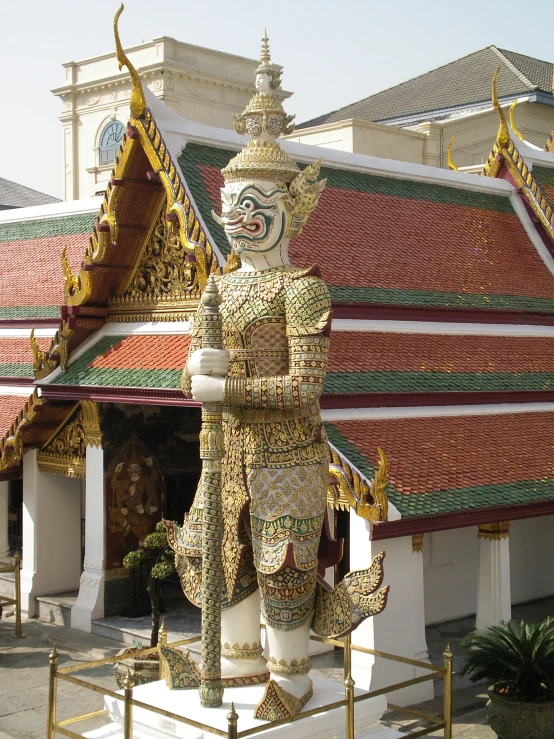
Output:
(10, 406)
(146, 352)
(355, 351)
(32, 269)
(18, 350)
(412, 244)
(445, 453)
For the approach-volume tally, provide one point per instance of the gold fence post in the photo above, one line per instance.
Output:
(349, 687)
(51, 715)
(162, 642)
(232, 719)
(448, 655)
(128, 707)
(18, 633)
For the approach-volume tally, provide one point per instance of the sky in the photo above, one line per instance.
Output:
(334, 52)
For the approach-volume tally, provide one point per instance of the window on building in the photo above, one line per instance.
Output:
(110, 140)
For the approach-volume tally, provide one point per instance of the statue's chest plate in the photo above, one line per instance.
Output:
(254, 325)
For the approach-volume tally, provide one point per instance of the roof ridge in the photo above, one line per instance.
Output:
(512, 66)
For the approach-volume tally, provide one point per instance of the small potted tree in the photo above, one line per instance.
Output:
(158, 552)
(517, 661)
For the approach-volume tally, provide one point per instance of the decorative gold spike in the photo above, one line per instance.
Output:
(39, 357)
(512, 121)
(503, 135)
(72, 284)
(451, 164)
(265, 57)
(379, 485)
(138, 101)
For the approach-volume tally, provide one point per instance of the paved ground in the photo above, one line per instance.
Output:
(24, 683)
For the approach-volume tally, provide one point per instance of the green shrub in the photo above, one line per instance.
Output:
(515, 658)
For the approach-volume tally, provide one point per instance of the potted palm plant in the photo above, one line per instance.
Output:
(162, 558)
(517, 661)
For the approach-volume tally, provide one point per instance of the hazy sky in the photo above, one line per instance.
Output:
(333, 52)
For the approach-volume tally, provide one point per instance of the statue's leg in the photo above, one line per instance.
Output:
(241, 650)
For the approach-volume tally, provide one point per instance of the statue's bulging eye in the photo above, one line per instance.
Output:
(248, 205)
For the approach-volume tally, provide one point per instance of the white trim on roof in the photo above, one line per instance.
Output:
(51, 210)
(25, 333)
(150, 328)
(431, 411)
(532, 231)
(439, 327)
(24, 392)
(178, 131)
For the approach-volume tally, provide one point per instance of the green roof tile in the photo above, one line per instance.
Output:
(64, 226)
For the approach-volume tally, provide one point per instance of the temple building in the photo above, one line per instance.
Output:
(442, 355)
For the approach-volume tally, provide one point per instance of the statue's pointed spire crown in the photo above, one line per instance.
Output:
(264, 120)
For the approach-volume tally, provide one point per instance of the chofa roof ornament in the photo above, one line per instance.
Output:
(138, 101)
(264, 120)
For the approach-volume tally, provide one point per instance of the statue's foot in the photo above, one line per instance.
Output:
(239, 672)
(278, 703)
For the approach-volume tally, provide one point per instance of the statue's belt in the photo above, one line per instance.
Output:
(243, 355)
(236, 416)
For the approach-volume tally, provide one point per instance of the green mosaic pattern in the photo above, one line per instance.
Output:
(10, 369)
(429, 382)
(31, 311)
(64, 226)
(390, 296)
(544, 175)
(448, 501)
(79, 373)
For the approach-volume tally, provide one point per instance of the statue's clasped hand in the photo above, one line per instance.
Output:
(208, 369)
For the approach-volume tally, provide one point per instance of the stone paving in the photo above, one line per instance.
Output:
(24, 683)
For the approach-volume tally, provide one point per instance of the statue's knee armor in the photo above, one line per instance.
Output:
(288, 597)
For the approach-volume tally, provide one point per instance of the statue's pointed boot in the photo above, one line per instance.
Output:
(277, 703)
(339, 610)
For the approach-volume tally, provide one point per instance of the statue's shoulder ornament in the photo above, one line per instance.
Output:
(308, 303)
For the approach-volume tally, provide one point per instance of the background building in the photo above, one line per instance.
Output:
(204, 85)
(415, 121)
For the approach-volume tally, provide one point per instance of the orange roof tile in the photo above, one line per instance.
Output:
(10, 406)
(165, 352)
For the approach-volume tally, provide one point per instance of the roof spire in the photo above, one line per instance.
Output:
(503, 135)
(451, 164)
(138, 101)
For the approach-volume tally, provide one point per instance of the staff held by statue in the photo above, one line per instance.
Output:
(212, 451)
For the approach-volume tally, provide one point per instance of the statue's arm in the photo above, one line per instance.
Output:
(308, 313)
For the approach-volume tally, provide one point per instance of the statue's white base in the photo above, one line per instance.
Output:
(186, 703)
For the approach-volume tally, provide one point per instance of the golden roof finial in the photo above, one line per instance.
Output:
(513, 126)
(264, 56)
(503, 135)
(138, 101)
(451, 164)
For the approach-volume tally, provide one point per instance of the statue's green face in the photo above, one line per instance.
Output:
(254, 218)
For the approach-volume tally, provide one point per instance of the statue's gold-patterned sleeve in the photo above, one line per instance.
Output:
(195, 343)
(308, 314)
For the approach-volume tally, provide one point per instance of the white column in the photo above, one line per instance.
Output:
(494, 602)
(90, 603)
(4, 547)
(400, 628)
(51, 534)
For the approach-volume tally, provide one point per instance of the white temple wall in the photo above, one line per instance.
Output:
(400, 628)
(51, 534)
(450, 568)
(532, 558)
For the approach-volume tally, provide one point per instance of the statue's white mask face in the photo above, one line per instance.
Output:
(253, 215)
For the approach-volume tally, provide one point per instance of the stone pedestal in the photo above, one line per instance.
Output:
(494, 603)
(51, 534)
(90, 603)
(186, 703)
(4, 546)
(400, 629)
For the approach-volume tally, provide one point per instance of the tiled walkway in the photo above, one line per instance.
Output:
(452, 632)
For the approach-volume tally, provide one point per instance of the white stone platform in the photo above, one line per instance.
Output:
(186, 703)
